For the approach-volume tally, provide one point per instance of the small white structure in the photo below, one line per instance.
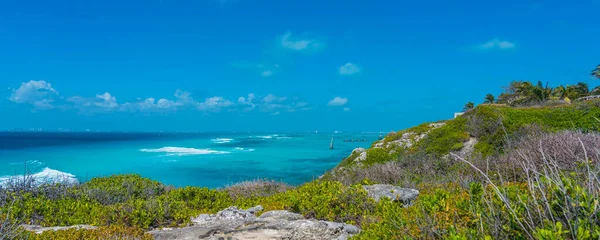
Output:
(458, 114)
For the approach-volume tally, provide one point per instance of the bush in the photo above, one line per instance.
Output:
(569, 149)
(377, 155)
(326, 200)
(256, 188)
(120, 188)
(440, 141)
(101, 233)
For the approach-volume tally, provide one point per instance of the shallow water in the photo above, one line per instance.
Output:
(211, 160)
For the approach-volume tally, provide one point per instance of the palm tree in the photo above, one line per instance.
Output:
(595, 91)
(559, 92)
(596, 72)
(540, 92)
(469, 106)
(489, 99)
(582, 89)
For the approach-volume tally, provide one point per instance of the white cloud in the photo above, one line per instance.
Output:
(41, 95)
(214, 104)
(38, 93)
(299, 44)
(337, 102)
(346, 109)
(266, 73)
(497, 43)
(272, 98)
(106, 101)
(349, 69)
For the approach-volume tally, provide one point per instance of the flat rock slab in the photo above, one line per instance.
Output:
(39, 229)
(394, 193)
(236, 224)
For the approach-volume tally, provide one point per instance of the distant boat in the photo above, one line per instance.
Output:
(331, 144)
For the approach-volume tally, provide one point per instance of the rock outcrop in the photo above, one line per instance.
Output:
(394, 193)
(408, 139)
(237, 224)
(39, 229)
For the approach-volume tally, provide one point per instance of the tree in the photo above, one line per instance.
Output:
(559, 92)
(469, 106)
(596, 72)
(539, 92)
(595, 91)
(489, 99)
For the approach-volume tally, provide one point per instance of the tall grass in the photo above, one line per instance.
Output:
(558, 197)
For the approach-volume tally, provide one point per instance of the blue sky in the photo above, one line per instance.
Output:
(240, 65)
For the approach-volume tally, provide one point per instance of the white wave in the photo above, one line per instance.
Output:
(276, 136)
(47, 175)
(221, 140)
(244, 149)
(28, 163)
(181, 151)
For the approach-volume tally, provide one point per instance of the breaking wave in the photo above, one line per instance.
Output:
(221, 140)
(181, 151)
(47, 175)
(245, 149)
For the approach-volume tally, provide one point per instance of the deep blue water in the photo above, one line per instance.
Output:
(180, 159)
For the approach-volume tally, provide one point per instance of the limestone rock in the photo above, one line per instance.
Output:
(233, 223)
(39, 229)
(395, 193)
(361, 157)
(358, 150)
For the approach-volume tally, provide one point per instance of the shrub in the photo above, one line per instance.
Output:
(377, 155)
(440, 141)
(256, 188)
(120, 188)
(326, 200)
(568, 149)
(101, 233)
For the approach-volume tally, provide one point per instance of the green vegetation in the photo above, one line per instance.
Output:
(468, 106)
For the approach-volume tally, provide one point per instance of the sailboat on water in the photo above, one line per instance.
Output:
(331, 144)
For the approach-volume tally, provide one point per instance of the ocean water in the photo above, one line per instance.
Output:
(211, 160)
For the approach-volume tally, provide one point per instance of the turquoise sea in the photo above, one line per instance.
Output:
(181, 159)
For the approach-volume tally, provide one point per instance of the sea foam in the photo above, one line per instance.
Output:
(181, 151)
(47, 175)
(245, 149)
(221, 140)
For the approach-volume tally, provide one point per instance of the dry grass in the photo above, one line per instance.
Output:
(406, 171)
(567, 149)
(561, 172)
(256, 188)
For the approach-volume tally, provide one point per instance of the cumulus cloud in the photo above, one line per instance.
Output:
(498, 44)
(214, 104)
(337, 102)
(349, 69)
(266, 73)
(272, 98)
(293, 43)
(40, 94)
(346, 109)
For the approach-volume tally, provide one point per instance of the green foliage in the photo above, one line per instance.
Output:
(101, 233)
(492, 136)
(444, 139)
(596, 72)
(327, 200)
(377, 155)
(468, 106)
(120, 188)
